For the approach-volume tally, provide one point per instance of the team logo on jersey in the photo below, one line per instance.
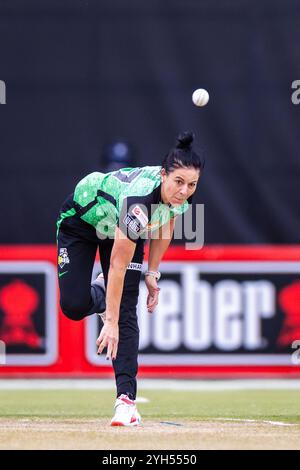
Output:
(140, 215)
(136, 210)
(63, 257)
(132, 223)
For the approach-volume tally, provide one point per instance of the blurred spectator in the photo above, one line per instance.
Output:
(117, 154)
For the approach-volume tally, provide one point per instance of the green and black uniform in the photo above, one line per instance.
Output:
(130, 199)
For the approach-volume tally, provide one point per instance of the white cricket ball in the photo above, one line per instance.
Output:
(200, 97)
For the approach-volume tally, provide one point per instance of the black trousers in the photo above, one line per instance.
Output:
(77, 246)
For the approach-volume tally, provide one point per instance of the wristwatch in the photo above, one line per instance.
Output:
(155, 274)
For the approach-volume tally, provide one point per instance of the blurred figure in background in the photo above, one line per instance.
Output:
(115, 155)
(118, 154)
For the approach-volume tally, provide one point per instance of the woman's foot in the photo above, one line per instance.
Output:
(126, 413)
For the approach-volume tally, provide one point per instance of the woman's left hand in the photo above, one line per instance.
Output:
(153, 292)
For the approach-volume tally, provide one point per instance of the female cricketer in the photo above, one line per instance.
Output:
(116, 212)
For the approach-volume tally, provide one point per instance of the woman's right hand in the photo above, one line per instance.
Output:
(109, 338)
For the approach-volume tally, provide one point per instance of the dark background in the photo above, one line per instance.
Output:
(80, 73)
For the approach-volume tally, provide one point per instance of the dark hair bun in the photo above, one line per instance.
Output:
(185, 140)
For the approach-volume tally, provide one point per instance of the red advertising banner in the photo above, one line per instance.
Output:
(223, 312)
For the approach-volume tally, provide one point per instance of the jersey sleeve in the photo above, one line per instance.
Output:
(134, 217)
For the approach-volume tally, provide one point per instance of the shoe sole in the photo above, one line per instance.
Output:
(137, 422)
(116, 423)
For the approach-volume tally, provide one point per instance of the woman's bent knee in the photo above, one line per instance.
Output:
(73, 312)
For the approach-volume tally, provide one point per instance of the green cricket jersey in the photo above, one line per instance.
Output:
(129, 198)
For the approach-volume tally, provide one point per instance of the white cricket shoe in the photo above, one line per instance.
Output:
(126, 413)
